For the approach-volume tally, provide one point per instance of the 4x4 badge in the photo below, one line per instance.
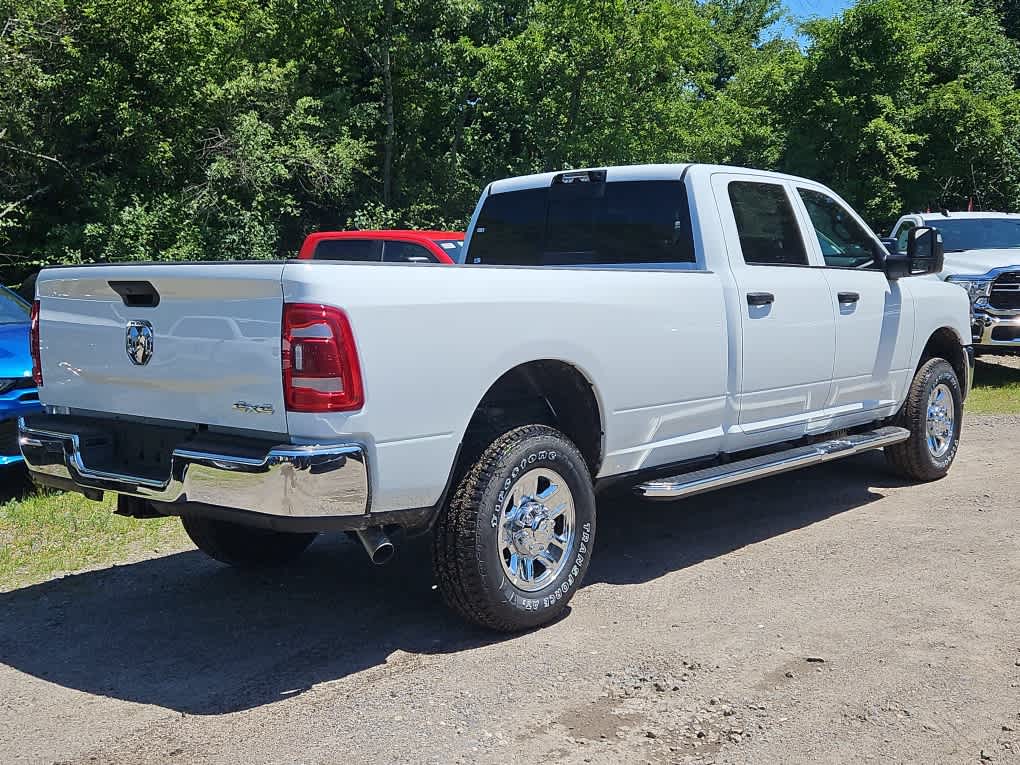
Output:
(244, 406)
(139, 342)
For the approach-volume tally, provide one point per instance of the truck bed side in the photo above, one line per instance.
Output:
(432, 341)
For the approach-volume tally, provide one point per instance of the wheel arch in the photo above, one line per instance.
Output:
(544, 391)
(945, 342)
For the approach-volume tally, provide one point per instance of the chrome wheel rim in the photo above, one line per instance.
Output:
(537, 529)
(940, 424)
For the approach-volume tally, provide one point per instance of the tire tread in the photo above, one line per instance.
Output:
(910, 458)
(456, 531)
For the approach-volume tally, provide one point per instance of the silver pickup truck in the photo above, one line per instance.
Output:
(982, 255)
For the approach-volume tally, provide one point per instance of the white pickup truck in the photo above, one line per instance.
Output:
(982, 256)
(669, 329)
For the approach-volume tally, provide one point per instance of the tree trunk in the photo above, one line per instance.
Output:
(387, 74)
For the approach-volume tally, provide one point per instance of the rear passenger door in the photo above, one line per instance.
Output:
(787, 333)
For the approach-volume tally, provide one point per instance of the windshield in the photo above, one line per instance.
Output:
(451, 247)
(978, 233)
(13, 310)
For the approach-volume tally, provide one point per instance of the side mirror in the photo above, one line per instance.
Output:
(925, 250)
(925, 255)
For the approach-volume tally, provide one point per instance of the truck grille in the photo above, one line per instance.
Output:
(9, 438)
(1006, 292)
(1006, 334)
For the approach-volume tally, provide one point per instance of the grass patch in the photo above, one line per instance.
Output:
(996, 386)
(44, 534)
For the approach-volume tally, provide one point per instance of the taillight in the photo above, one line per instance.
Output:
(34, 345)
(320, 361)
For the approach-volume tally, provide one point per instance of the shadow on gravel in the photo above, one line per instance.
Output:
(185, 633)
(637, 541)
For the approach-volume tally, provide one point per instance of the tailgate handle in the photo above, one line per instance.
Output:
(136, 294)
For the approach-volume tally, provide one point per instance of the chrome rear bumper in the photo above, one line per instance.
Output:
(288, 481)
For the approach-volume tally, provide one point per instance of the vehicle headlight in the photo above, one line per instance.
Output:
(977, 288)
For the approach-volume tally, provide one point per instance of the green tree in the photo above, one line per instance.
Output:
(900, 106)
(186, 129)
(596, 82)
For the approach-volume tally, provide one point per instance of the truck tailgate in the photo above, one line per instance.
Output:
(215, 342)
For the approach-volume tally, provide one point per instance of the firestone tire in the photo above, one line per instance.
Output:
(244, 546)
(933, 413)
(513, 544)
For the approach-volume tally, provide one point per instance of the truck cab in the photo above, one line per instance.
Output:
(383, 246)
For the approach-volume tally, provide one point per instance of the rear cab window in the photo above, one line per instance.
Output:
(586, 223)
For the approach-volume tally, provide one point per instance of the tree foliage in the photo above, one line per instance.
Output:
(903, 105)
(187, 129)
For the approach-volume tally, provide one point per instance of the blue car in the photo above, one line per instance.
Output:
(18, 395)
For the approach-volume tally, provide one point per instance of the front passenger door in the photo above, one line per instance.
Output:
(873, 333)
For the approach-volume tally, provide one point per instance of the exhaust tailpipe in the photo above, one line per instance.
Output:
(378, 546)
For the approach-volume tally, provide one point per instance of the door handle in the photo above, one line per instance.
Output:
(846, 298)
(760, 298)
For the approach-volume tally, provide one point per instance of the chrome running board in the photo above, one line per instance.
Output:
(732, 473)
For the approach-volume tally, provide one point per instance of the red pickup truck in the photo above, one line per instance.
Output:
(393, 246)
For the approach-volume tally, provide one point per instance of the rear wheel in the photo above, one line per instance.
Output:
(933, 413)
(512, 546)
(244, 546)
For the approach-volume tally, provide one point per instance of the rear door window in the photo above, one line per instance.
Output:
(364, 250)
(622, 222)
(767, 226)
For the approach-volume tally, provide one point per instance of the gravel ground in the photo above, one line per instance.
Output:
(832, 615)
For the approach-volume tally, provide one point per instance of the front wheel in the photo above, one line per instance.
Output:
(512, 546)
(933, 413)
